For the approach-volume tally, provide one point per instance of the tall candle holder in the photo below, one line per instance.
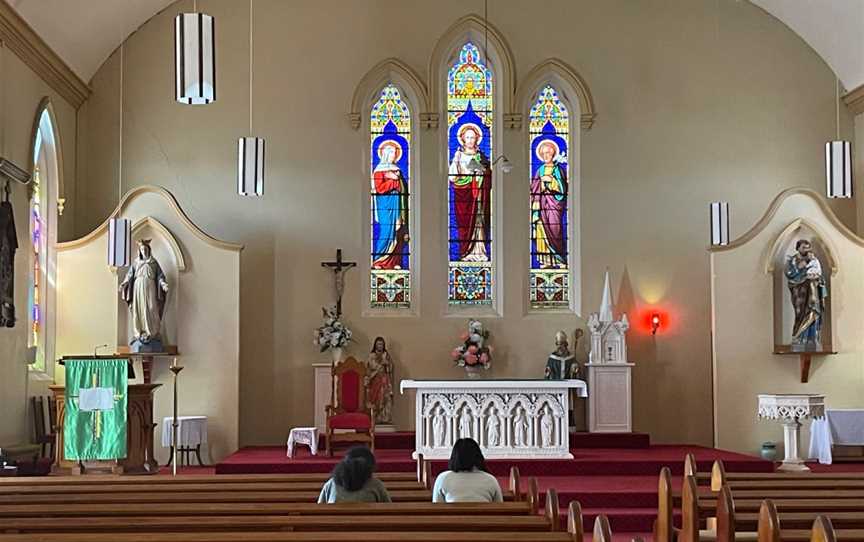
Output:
(174, 426)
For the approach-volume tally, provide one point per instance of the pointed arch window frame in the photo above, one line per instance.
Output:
(498, 59)
(575, 95)
(413, 93)
(50, 166)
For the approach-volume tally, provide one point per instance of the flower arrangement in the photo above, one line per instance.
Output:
(473, 352)
(333, 334)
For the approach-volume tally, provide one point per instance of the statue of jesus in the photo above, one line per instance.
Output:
(144, 289)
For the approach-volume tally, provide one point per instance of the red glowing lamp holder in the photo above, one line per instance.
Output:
(655, 323)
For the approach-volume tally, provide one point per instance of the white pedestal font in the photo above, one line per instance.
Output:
(609, 405)
(790, 408)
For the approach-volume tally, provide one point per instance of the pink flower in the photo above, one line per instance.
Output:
(456, 354)
(471, 359)
(472, 349)
(484, 358)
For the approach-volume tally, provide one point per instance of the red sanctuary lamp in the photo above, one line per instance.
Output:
(655, 323)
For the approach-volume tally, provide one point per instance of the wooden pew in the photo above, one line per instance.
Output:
(527, 506)
(783, 480)
(822, 531)
(214, 496)
(145, 487)
(797, 511)
(463, 523)
(96, 479)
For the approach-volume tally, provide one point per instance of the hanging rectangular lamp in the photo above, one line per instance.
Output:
(195, 58)
(838, 169)
(250, 166)
(119, 242)
(720, 223)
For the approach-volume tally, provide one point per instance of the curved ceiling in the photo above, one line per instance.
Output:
(84, 37)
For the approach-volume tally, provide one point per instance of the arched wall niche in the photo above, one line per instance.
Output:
(390, 70)
(778, 258)
(166, 249)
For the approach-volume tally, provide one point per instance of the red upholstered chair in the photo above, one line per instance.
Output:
(348, 408)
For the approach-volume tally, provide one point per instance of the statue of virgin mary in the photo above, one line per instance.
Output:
(144, 289)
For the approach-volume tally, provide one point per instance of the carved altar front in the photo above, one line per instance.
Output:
(510, 419)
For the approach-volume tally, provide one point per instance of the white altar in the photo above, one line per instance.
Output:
(510, 419)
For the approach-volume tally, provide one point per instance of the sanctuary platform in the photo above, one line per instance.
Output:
(611, 473)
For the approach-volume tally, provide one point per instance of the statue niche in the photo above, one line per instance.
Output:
(801, 266)
(133, 320)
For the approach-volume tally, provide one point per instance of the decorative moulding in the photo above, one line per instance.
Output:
(556, 71)
(854, 100)
(46, 105)
(390, 70)
(22, 40)
(172, 202)
(772, 210)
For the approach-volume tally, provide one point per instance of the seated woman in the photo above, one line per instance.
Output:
(467, 479)
(353, 481)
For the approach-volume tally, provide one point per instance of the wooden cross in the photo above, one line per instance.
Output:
(339, 267)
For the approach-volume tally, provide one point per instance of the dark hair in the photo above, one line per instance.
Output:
(802, 242)
(375, 343)
(466, 456)
(355, 469)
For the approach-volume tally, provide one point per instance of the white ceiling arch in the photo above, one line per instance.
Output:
(85, 32)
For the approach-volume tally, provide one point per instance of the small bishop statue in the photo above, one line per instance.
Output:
(562, 364)
(144, 289)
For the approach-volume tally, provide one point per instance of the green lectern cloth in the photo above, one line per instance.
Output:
(96, 399)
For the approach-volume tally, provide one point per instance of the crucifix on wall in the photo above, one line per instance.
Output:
(339, 267)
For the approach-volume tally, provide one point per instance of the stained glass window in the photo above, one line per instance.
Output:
(35, 292)
(391, 242)
(469, 137)
(549, 130)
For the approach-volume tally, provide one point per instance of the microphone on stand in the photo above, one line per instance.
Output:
(96, 350)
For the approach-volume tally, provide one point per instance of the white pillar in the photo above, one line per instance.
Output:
(791, 433)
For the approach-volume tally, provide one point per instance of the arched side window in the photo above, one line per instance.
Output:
(390, 155)
(549, 138)
(43, 235)
(469, 148)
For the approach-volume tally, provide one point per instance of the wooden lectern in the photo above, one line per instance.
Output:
(139, 430)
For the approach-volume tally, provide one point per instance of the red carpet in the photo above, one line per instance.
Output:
(613, 474)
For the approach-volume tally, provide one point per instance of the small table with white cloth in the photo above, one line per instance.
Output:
(839, 427)
(303, 435)
(191, 434)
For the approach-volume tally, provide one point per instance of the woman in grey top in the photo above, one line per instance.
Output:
(467, 479)
(353, 481)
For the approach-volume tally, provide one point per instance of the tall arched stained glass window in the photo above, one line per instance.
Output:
(469, 137)
(549, 131)
(35, 293)
(390, 125)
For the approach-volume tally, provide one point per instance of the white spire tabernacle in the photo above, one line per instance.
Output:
(606, 304)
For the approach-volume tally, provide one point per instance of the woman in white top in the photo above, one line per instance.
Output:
(466, 479)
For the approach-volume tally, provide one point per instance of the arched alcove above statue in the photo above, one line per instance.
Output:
(802, 262)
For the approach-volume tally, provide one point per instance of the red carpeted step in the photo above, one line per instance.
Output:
(609, 440)
(272, 459)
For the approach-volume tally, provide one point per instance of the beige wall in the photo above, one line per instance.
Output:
(22, 91)
(201, 316)
(696, 101)
(743, 310)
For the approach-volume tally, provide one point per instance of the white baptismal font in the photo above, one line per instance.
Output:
(510, 419)
(791, 407)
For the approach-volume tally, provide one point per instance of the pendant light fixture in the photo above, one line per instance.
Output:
(119, 229)
(506, 166)
(195, 57)
(719, 216)
(838, 160)
(250, 149)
